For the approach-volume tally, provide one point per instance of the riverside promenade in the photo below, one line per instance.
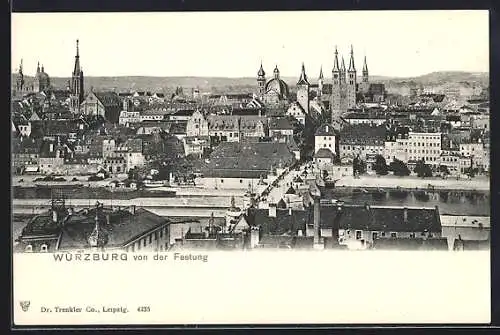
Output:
(411, 182)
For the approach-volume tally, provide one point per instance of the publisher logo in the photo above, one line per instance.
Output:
(25, 305)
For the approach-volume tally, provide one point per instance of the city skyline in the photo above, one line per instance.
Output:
(179, 48)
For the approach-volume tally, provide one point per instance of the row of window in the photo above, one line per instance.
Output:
(158, 234)
(43, 248)
(375, 235)
(425, 137)
(436, 152)
(422, 144)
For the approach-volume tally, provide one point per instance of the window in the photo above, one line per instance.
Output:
(161, 233)
(374, 235)
(359, 234)
(222, 180)
(145, 241)
(43, 248)
(393, 235)
(29, 248)
(382, 234)
(412, 235)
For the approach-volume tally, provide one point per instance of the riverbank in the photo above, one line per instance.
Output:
(479, 183)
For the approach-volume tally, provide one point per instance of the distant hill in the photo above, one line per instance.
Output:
(220, 84)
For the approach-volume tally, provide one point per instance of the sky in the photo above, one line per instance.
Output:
(232, 44)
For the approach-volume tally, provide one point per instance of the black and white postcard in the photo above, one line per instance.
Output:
(326, 167)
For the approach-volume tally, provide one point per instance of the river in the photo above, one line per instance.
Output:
(449, 202)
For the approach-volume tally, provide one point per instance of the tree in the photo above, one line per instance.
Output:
(399, 168)
(325, 174)
(380, 165)
(444, 169)
(358, 166)
(423, 170)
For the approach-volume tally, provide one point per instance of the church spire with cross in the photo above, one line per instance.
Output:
(76, 85)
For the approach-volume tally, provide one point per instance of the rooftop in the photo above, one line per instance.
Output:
(124, 227)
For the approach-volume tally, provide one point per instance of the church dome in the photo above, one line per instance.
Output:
(43, 79)
(279, 86)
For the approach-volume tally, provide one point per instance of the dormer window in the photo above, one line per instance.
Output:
(29, 248)
(43, 248)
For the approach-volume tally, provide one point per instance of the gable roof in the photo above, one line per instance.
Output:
(108, 99)
(246, 159)
(324, 153)
(281, 123)
(326, 130)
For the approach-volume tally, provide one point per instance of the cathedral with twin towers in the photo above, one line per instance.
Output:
(338, 94)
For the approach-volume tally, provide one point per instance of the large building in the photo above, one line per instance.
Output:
(273, 91)
(99, 228)
(40, 83)
(76, 84)
(344, 88)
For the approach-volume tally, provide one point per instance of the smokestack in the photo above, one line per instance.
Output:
(317, 231)
(272, 210)
(405, 215)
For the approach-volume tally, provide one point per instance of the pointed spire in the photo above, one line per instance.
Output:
(38, 67)
(21, 67)
(321, 73)
(365, 66)
(261, 72)
(351, 61)
(336, 67)
(303, 76)
(43, 70)
(342, 67)
(77, 69)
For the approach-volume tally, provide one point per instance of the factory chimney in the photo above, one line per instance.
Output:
(317, 231)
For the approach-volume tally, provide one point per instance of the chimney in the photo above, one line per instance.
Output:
(107, 220)
(254, 236)
(405, 214)
(289, 210)
(272, 210)
(326, 128)
(54, 216)
(51, 147)
(317, 231)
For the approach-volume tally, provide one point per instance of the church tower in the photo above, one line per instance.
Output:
(335, 104)
(76, 85)
(320, 82)
(351, 82)
(36, 81)
(365, 72)
(261, 81)
(303, 90)
(20, 79)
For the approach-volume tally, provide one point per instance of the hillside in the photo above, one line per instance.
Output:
(220, 84)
